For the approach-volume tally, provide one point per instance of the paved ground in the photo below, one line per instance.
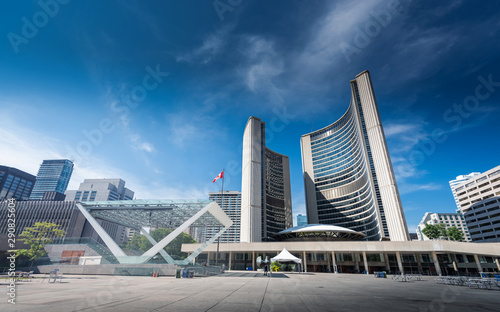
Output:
(237, 291)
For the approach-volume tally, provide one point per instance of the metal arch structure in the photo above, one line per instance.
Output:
(139, 214)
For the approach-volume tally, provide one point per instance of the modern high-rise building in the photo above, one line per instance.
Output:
(15, 183)
(448, 219)
(266, 203)
(230, 202)
(104, 190)
(100, 190)
(348, 175)
(301, 219)
(53, 175)
(479, 199)
(459, 180)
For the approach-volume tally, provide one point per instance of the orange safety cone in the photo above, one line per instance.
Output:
(154, 273)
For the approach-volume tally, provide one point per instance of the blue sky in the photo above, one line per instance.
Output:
(158, 92)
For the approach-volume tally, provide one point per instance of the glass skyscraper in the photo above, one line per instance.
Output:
(53, 175)
(301, 220)
(348, 175)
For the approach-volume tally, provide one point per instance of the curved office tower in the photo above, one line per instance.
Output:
(266, 205)
(348, 175)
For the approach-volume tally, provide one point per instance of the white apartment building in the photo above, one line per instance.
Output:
(459, 180)
(479, 199)
(448, 219)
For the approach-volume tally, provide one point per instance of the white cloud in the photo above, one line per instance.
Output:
(323, 52)
(139, 144)
(261, 65)
(194, 127)
(393, 129)
(25, 149)
(406, 188)
(210, 48)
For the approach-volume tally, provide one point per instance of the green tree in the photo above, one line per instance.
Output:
(455, 234)
(139, 241)
(275, 266)
(435, 231)
(37, 237)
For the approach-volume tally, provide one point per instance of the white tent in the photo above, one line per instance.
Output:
(285, 256)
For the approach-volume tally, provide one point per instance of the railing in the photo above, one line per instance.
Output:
(477, 282)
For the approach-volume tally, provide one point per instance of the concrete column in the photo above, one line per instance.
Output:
(253, 261)
(420, 270)
(400, 263)
(230, 260)
(436, 263)
(365, 262)
(208, 258)
(356, 262)
(455, 261)
(305, 262)
(478, 264)
(387, 264)
(334, 262)
(328, 259)
(498, 264)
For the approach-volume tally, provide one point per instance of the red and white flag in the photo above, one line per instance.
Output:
(219, 176)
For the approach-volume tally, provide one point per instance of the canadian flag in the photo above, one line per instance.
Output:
(219, 176)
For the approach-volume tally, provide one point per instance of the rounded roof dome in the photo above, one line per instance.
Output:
(319, 232)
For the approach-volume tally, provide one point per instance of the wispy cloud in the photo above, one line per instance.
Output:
(139, 144)
(323, 51)
(25, 149)
(211, 47)
(407, 188)
(260, 66)
(195, 127)
(397, 129)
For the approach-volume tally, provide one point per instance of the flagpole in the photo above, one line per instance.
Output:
(222, 205)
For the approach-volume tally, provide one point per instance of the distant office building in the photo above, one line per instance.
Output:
(413, 236)
(104, 190)
(479, 199)
(301, 219)
(53, 196)
(459, 180)
(15, 183)
(100, 190)
(348, 176)
(266, 204)
(53, 175)
(448, 219)
(230, 202)
(65, 214)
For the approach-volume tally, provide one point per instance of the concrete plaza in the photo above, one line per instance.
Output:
(242, 291)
